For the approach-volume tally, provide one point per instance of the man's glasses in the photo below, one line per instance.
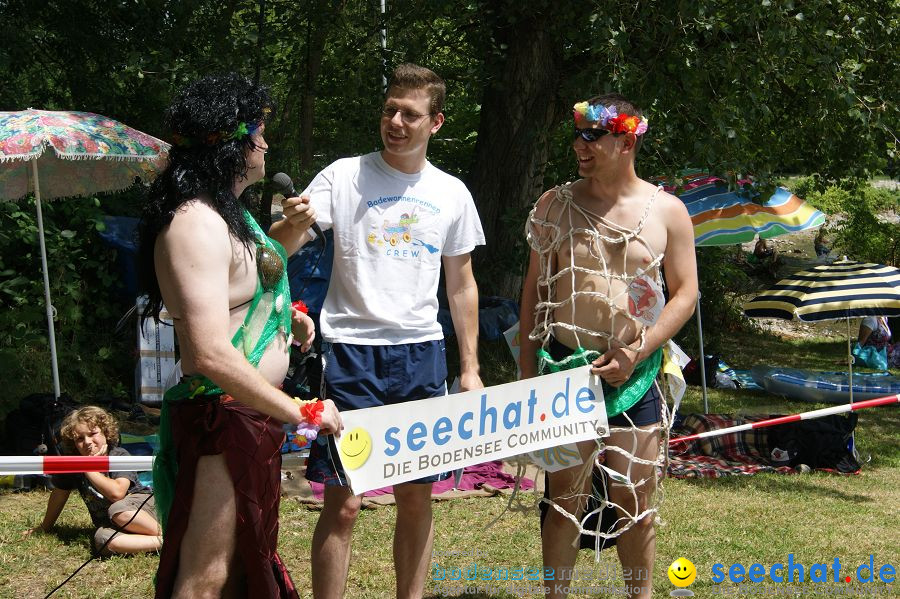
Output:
(409, 118)
(589, 134)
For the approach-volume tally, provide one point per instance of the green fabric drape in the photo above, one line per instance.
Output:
(619, 399)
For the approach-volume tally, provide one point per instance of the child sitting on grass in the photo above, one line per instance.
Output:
(112, 499)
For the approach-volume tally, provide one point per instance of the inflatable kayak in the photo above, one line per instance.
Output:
(825, 387)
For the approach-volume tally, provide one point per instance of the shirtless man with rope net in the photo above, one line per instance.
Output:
(593, 297)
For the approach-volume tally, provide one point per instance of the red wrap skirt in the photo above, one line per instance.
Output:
(251, 443)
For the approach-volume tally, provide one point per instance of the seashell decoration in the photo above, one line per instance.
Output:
(270, 267)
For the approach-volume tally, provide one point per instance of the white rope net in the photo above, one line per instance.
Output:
(632, 300)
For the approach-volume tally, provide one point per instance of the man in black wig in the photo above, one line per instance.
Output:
(217, 476)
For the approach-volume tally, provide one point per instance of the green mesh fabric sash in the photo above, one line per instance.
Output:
(269, 315)
(617, 400)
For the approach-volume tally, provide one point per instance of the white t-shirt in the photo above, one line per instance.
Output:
(874, 323)
(390, 231)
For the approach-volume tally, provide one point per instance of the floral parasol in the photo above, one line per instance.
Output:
(91, 153)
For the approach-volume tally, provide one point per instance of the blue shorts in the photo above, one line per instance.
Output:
(648, 409)
(364, 376)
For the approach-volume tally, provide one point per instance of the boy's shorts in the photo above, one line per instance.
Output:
(130, 503)
(647, 410)
(364, 376)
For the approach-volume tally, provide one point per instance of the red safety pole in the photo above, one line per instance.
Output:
(72, 464)
(850, 407)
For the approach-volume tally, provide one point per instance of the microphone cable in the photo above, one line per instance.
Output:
(102, 547)
(308, 277)
(284, 185)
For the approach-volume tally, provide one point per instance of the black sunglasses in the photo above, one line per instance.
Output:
(589, 134)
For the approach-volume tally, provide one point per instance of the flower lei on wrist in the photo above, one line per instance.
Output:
(310, 419)
(609, 118)
(299, 306)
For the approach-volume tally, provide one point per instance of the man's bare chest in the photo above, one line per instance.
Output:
(602, 244)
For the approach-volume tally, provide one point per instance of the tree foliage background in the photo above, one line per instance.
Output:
(768, 87)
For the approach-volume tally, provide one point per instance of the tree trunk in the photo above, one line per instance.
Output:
(316, 36)
(518, 110)
(322, 20)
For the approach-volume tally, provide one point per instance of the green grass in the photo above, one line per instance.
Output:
(758, 519)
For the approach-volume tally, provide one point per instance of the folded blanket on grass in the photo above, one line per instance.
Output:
(821, 444)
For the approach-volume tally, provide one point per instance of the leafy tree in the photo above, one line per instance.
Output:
(768, 87)
(765, 87)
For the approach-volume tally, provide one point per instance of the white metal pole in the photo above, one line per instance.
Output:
(839, 409)
(71, 464)
(702, 357)
(383, 48)
(50, 310)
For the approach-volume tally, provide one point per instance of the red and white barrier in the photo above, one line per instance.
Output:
(72, 464)
(850, 407)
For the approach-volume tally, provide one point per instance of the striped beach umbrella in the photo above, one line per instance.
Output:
(843, 289)
(722, 216)
(723, 221)
(728, 217)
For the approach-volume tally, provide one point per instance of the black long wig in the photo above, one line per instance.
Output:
(209, 153)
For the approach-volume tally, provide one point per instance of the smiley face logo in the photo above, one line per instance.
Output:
(355, 448)
(682, 572)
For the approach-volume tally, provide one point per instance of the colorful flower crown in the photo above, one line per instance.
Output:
(609, 118)
(241, 131)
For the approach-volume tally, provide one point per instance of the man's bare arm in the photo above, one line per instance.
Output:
(462, 294)
(531, 295)
(680, 268)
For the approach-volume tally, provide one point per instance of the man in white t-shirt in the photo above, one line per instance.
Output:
(396, 220)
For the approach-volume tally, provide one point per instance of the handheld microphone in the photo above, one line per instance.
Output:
(285, 186)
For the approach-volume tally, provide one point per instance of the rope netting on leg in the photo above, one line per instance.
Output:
(642, 490)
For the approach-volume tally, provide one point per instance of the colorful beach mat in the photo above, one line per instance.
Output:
(822, 445)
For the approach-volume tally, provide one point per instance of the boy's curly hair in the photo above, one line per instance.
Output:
(204, 162)
(91, 416)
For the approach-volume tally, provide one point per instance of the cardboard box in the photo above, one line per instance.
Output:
(156, 357)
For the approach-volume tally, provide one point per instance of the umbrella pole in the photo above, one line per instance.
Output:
(850, 359)
(40, 219)
(702, 357)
